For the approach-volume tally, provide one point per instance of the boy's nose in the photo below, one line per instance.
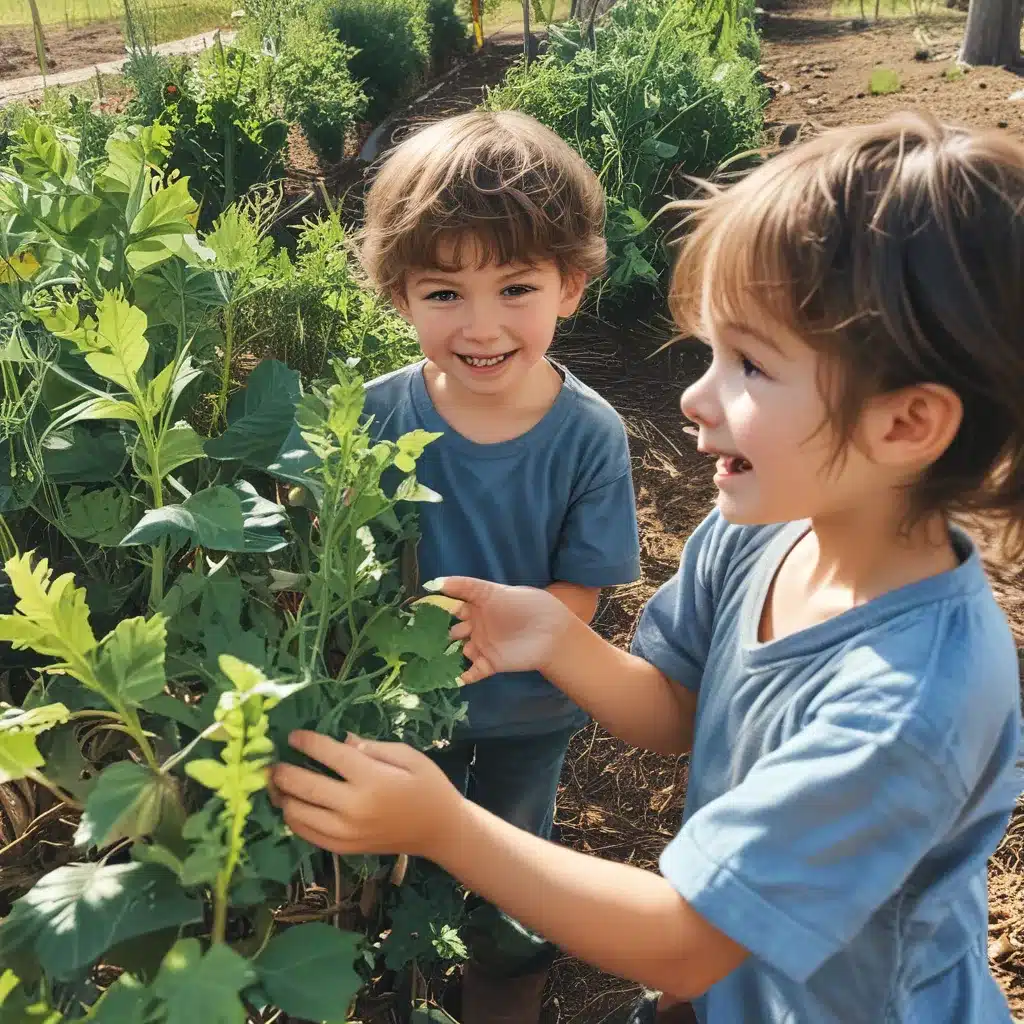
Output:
(481, 326)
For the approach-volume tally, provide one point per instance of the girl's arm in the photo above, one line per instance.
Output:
(622, 919)
(518, 628)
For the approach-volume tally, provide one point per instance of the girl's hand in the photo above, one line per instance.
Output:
(506, 629)
(390, 799)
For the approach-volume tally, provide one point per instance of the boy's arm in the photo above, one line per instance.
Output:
(622, 919)
(580, 600)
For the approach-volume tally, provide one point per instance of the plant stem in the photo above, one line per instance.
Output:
(225, 373)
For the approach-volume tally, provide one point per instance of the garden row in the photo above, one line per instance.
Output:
(204, 548)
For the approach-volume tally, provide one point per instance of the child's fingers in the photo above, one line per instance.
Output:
(460, 631)
(343, 758)
(311, 787)
(325, 842)
(329, 826)
(400, 755)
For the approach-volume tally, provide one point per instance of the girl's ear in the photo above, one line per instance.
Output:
(574, 283)
(918, 424)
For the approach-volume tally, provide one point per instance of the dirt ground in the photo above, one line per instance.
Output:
(65, 49)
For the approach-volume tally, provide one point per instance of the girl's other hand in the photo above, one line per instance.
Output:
(506, 629)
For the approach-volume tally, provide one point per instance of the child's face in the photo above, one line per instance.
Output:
(487, 327)
(760, 411)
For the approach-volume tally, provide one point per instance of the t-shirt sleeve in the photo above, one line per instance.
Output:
(792, 862)
(599, 545)
(674, 631)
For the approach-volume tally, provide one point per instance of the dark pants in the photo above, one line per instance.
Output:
(515, 778)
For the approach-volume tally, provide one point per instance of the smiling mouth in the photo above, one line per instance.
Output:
(483, 362)
(732, 465)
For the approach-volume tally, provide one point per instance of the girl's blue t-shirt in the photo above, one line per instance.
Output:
(554, 504)
(847, 785)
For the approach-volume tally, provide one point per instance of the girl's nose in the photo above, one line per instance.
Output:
(698, 403)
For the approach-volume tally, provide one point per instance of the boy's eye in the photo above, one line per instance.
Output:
(514, 291)
(442, 295)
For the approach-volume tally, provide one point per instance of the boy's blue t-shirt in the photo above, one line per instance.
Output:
(555, 504)
(847, 786)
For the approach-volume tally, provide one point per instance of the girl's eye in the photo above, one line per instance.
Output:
(514, 291)
(444, 295)
(750, 369)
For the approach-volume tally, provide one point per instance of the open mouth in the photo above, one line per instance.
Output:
(485, 362)
(732, 465)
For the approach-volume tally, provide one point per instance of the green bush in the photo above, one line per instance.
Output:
(400, 42)
(393, 48)
(69, 114)
(318, 311)
(313, 79)
(665, 91)
(227, 135)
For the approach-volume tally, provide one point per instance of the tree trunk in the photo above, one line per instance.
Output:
(992, 35)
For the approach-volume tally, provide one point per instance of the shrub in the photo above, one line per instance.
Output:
(317, 91)
(392, 40)
(227, 136)
(318, 311)
(663, 91)
(449, 33)
(68, 113)
(180, 620)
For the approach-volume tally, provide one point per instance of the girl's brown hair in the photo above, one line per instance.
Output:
(497, 184)
(897, 250)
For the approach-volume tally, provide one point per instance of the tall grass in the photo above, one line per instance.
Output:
(168, 20)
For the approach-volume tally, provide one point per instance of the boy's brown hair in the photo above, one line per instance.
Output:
(497, 184)
(897, 250)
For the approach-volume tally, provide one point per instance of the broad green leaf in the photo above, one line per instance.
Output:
(157, 231)
(79, 455)
(51, 616)
(411, 447)
(127, 1001)
(425, 634)
(131, 661)
(259, 417)
(296, 463)
(20, 267)
(107, 409)
(19, 755)
(308, 971)
(118, 347)
(180, 445)
(173, 379)
(439, 673)
(77, 911)
(219, 518)
(127, 802)
(197, 987)
(99, 517)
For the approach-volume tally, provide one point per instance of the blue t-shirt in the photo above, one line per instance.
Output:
(555, 504)
(847, 785)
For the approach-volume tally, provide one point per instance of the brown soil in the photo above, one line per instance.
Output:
(66, 49)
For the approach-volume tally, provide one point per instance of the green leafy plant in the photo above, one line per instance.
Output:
(659, 91)
(318, 92)
(228, 136)
(347, 653)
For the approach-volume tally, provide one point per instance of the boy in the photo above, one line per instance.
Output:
(830, 649)
(484, 230)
